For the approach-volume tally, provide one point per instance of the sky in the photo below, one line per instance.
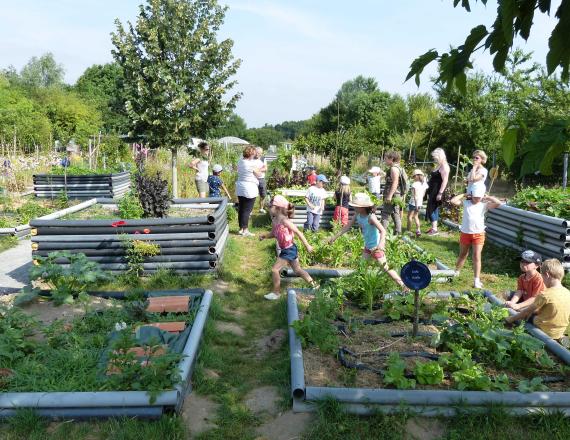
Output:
(295, 53)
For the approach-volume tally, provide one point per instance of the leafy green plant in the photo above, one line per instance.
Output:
(472, 378)
(530, 386)
(130, 207)
(137, 251)
(31, 210)
(395, 374)
(15, 329)
(547, 201)
(428, 373)
(67, 282)
(62, 200)
(399, 306)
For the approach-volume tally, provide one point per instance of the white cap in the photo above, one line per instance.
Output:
(478, 191)
(344, 180)
(374, 170)
(217, 168)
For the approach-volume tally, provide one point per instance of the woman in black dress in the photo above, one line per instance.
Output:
(436, 186)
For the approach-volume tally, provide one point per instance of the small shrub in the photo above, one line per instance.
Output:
(29, 211)
(153, 193)
(130, 207)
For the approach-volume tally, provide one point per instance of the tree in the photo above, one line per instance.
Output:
(233, 125)
(176, 72)
(264, 136)
(514, 18)
(103, 86)
(42, 72)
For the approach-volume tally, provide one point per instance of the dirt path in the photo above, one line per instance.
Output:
(14, 265)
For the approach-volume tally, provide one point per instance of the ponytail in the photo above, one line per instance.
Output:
(291, 211)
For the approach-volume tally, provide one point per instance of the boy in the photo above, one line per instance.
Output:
(374, 181)
(214, 183)
(315, 200)
(312, 176)
(551, 309)
(473, 229)
(529, 284)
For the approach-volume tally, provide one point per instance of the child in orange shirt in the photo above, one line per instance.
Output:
(529, 284)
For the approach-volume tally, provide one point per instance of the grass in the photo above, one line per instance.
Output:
(246, 270)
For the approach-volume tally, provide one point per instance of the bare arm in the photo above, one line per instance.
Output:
(523, 314)
(226, 191)
(492, 202)
(257, 172)
(267, 235)
(456, 201)
(194, 164)
(373, 220)
(344, 230)
(514, 300)
(395, 174)
(475, 175)
(444, 171)
(524, 304)
(309, 204)
(298, 233)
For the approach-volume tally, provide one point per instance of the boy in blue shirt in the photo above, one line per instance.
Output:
(215, 183)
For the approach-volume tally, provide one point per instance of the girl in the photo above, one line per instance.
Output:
(201, 166)
(284, 231)
(373, 233)
(416, 201)
(342, 196)
(473, 229)
(478, 174)
(437, 184)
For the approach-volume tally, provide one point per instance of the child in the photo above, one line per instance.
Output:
(374, 181)
(551, 308)
(416, 201)
(215, 182)
(373, 233)
(342, 197)
(529, 284)
(478, 174)
(312, 176)
(315, 200)
(284, 231)
(473, 229)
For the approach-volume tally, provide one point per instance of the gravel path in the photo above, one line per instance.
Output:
(14, 265)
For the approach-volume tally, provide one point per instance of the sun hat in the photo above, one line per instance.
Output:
(344, 180)
(361, 200)
(217, 168)
(417, 171)
(531, 257)
(322, 178)
(374, 170)
(280, 202)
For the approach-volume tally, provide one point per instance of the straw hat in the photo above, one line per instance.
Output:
(361, 200)
(417, 172)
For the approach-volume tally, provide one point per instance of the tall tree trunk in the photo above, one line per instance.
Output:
(174, 173)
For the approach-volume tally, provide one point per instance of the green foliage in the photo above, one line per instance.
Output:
(62, 200)
(67, 282)
(30, 210)
(530, 386)
(428, 373)
(15, 329)
(547, 201)
(42, 72)
(153, 193)
(399, 306)
(130, 207)
(472, 378)
(137, 251)
(395, 374)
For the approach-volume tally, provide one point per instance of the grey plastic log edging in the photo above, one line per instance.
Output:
(116, 400)
(528, 230)
(337, 273)
(150, 412)
(561, 250)
(295, 349)
(534, 215)
(530, 221)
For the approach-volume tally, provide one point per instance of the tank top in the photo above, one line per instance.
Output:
(342, 199)
(284, 235)
(202, 173)
(388, 183)
(369, 232)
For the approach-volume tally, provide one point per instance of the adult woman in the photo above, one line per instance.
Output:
(201, 166)
(478, 174)
(437, 184)
(247, 188)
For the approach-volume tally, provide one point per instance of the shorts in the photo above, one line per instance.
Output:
(262, 188)
(340, 215)
(469, 239)
(202, 186)
(412, 207)
(377, 254)
(290, 254)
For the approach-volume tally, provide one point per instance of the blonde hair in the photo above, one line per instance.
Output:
(344, 189)
(482, 154)
(553, 267)
(439, 155)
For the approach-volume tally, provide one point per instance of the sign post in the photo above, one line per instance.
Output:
(416, 276)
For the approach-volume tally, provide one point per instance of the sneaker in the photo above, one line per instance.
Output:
(271, 296)
(248, 234)
(456, 273)
(262, 211)
(433, 232)
(240, 232)
(478, 284)
(418, 234)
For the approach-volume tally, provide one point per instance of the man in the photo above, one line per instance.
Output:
(262, 165)
(392, 190)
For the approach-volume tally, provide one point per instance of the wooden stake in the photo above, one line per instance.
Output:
(457, 168)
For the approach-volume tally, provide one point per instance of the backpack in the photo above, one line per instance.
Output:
(403, 182)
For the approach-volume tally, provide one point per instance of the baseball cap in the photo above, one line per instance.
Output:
(217, 168)
(344, 180)
(280, 201)
(478, 191)
(322, 178)
(531, 257)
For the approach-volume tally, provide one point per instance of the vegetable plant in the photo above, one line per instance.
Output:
(428, 373)
(130, 207)
(530, 386)
(547, 201)
(395, 374)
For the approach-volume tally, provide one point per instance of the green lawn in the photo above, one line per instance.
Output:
(246, 271)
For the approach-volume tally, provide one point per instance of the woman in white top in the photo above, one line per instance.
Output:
(247, 188)
(201, 166)
(478, 174)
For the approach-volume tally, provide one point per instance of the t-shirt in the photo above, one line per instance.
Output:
(260, 163)
(531, 287)
(316, 195)
(345, 198)
(202, 173)
(479, 185)
(312, 179)
(214, 184)
(247, 184)
(553, 311)
(374, 184)
(418, 192)
(473, 217)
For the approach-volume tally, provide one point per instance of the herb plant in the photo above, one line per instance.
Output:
(395, 374)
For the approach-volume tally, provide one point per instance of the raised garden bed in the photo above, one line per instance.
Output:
(107, 358)
(112, 185)
(194, 243)
(448, 379)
